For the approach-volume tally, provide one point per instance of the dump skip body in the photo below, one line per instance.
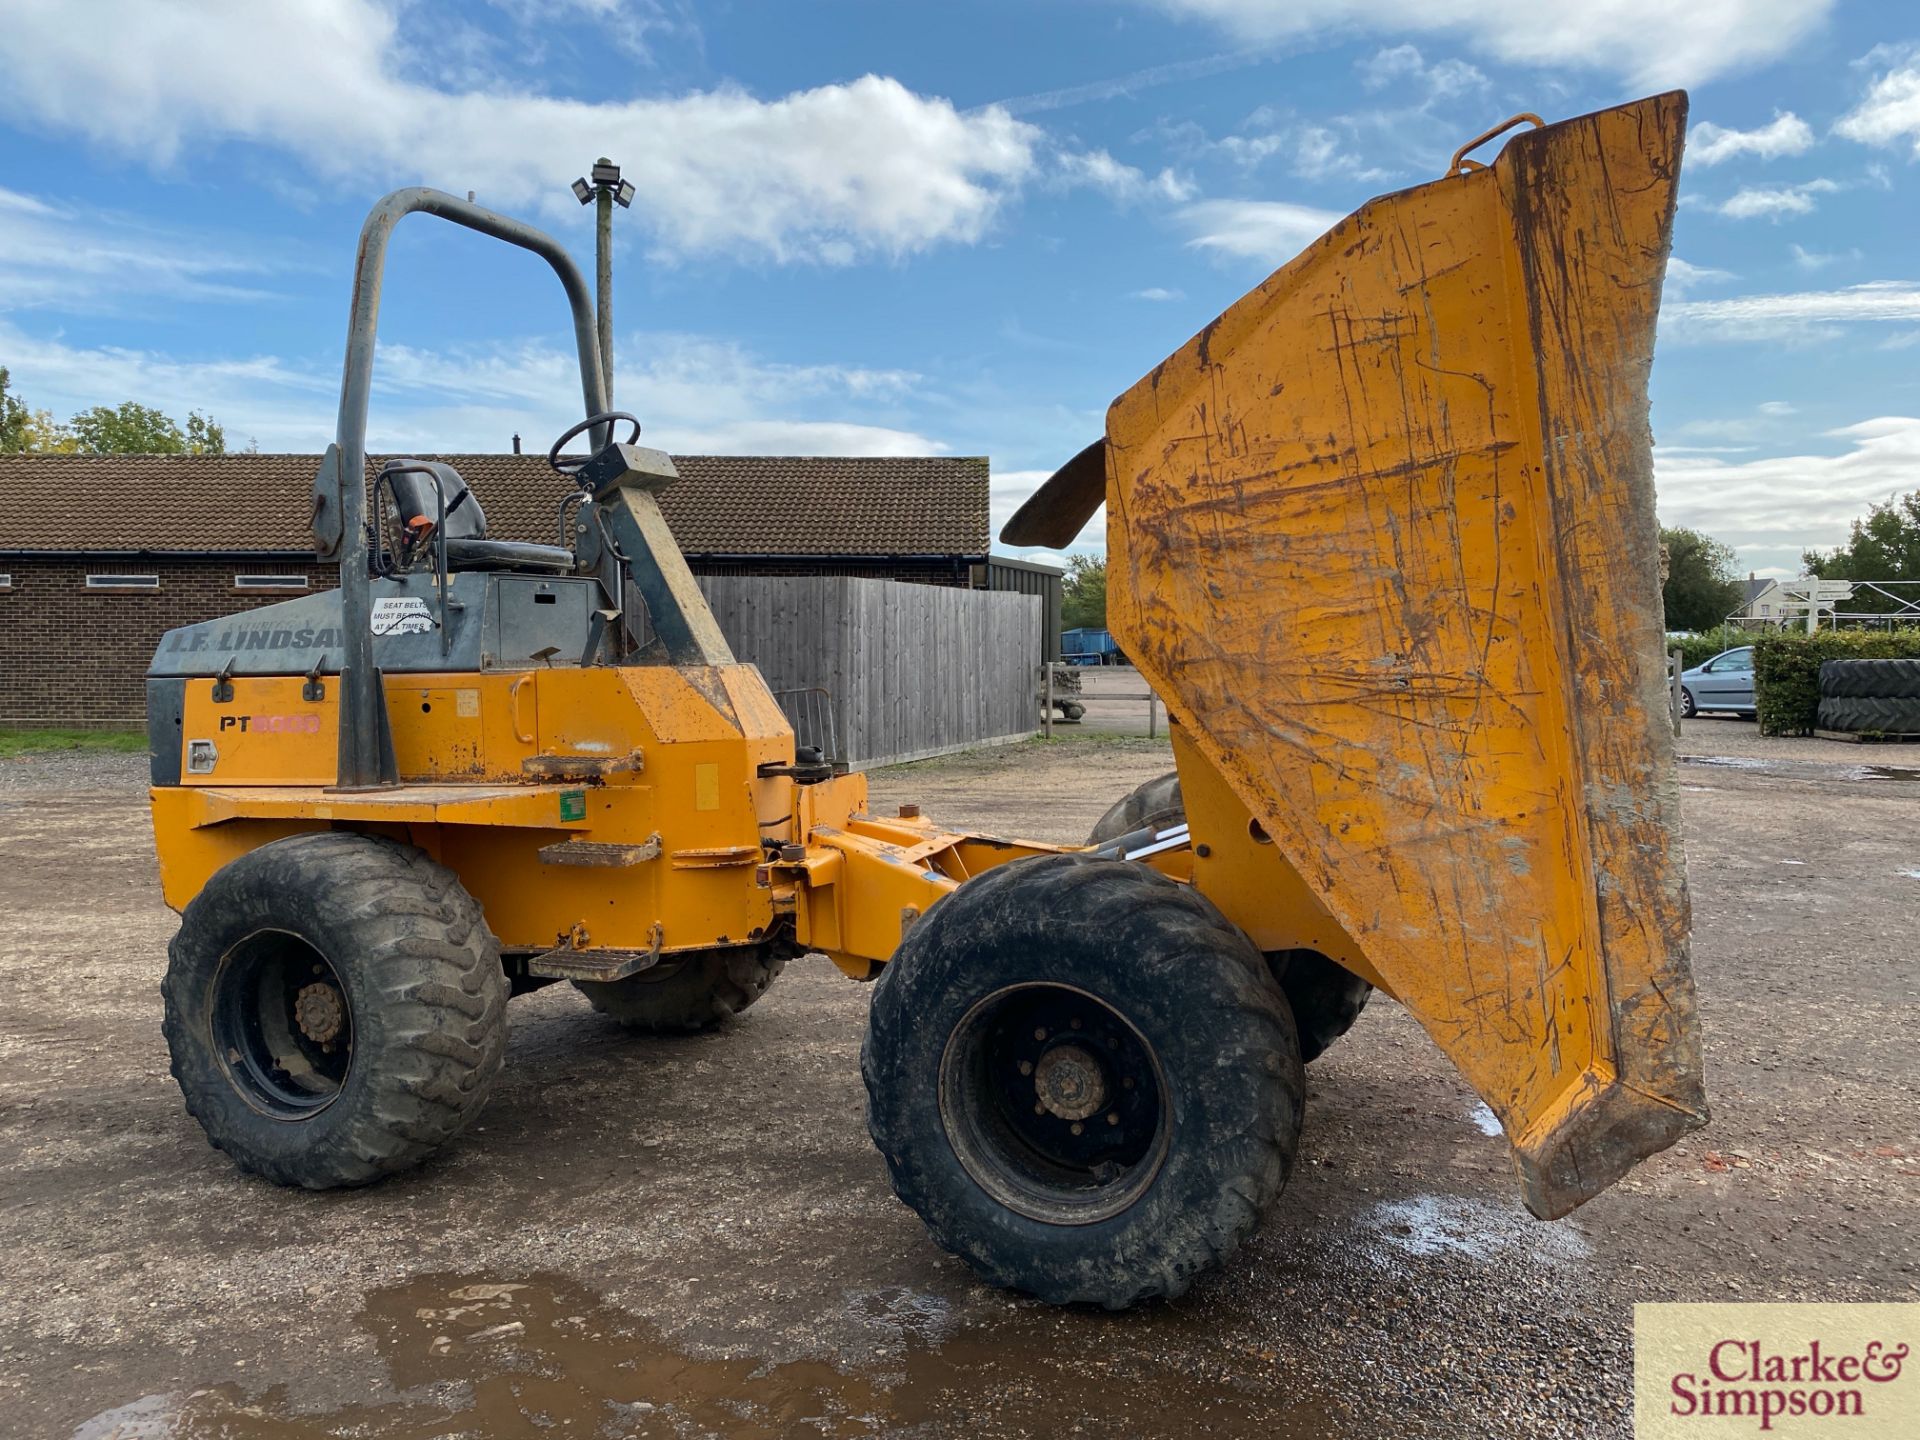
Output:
(1383, 536)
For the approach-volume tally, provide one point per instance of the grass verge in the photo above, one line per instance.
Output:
(35, 742)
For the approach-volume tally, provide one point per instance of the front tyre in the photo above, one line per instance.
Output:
(335, 1009)
(1325, 998)
(1084, 1080)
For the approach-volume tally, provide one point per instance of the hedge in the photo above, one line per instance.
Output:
(1786, 670)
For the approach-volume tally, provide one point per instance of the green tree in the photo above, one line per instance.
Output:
(1885, 545)
(47, 436)
(1701, 587)
(124, 429)
(14, 416)
(206, 436)
(1083, 594)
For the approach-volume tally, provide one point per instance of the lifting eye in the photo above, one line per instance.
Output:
(1259, 833)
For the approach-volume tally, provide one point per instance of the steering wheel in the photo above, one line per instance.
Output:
(568, 464)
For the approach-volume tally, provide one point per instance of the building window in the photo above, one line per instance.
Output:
(270, 582)
(123, 582)
(6, 581)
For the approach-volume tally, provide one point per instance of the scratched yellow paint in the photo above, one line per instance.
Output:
(1383, 536)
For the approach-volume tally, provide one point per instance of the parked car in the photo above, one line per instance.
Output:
(1722, 684)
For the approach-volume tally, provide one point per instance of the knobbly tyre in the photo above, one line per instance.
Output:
(1381, 536)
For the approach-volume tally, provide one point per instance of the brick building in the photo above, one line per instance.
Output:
(102, 554)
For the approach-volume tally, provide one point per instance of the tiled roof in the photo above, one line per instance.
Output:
(723, 505)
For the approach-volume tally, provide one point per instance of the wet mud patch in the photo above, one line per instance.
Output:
(489, 1360)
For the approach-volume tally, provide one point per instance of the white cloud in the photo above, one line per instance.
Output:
(631, 24)
(81, 258)
(830, 173)
(1771, 509)
(1157, 292)
(1682, 276)
(1317, 153)
(1819, 260)
(1709, 144)
(1010, 489)
(1273, 231)
(1118, 181)
(1806, 315)
(1778, 407)
(1775, 202)
(1404, 65)
(1652, 42)
(1310, 150)
(1890, 112)
(709, 396)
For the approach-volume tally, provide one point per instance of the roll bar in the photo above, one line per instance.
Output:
(365, 758)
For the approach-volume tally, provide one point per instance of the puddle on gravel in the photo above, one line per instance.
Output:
(483, 1360)
(1802, 769)
(1484, 1120)
(1882, 772)
(1453, 1225)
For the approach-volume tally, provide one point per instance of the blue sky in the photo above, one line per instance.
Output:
(908, 227)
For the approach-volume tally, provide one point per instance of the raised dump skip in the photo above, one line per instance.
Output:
(1383, 536)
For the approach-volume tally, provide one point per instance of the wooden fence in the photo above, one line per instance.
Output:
(911, 670)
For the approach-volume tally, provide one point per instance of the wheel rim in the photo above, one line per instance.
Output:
(1054, 1104)
(282, 1025)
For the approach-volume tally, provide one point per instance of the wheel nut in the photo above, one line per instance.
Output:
(1026, 1067)
(1077, 1127)
(1041, 1033)
(1113, 1117)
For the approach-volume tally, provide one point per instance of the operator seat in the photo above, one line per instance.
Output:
(468, 548)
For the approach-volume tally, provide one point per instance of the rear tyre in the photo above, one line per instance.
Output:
(1325, 998)
(1688, 708)
(681, 996)
(1083, 1079)
(335, 1009)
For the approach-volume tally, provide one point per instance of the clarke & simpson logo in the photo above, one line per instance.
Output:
(1799, 1372)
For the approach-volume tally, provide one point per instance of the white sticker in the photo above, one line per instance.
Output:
(401, 615)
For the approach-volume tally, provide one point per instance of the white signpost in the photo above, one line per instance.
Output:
(1816, 595)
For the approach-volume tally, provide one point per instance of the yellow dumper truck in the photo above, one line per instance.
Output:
(1382, 538)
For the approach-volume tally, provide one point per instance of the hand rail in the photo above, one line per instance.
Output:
(363, 717)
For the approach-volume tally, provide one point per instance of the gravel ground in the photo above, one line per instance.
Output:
(695, 1236)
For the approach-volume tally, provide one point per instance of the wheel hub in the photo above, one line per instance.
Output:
(319, 1012)
(1070, 1083)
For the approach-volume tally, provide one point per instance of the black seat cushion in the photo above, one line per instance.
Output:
(506, 555)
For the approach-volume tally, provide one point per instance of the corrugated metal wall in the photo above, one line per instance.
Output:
(913, 670)
(1024, 577)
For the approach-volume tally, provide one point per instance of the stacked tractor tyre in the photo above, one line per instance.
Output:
(1870, 697)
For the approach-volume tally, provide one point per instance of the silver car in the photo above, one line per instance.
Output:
(1724, 684)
